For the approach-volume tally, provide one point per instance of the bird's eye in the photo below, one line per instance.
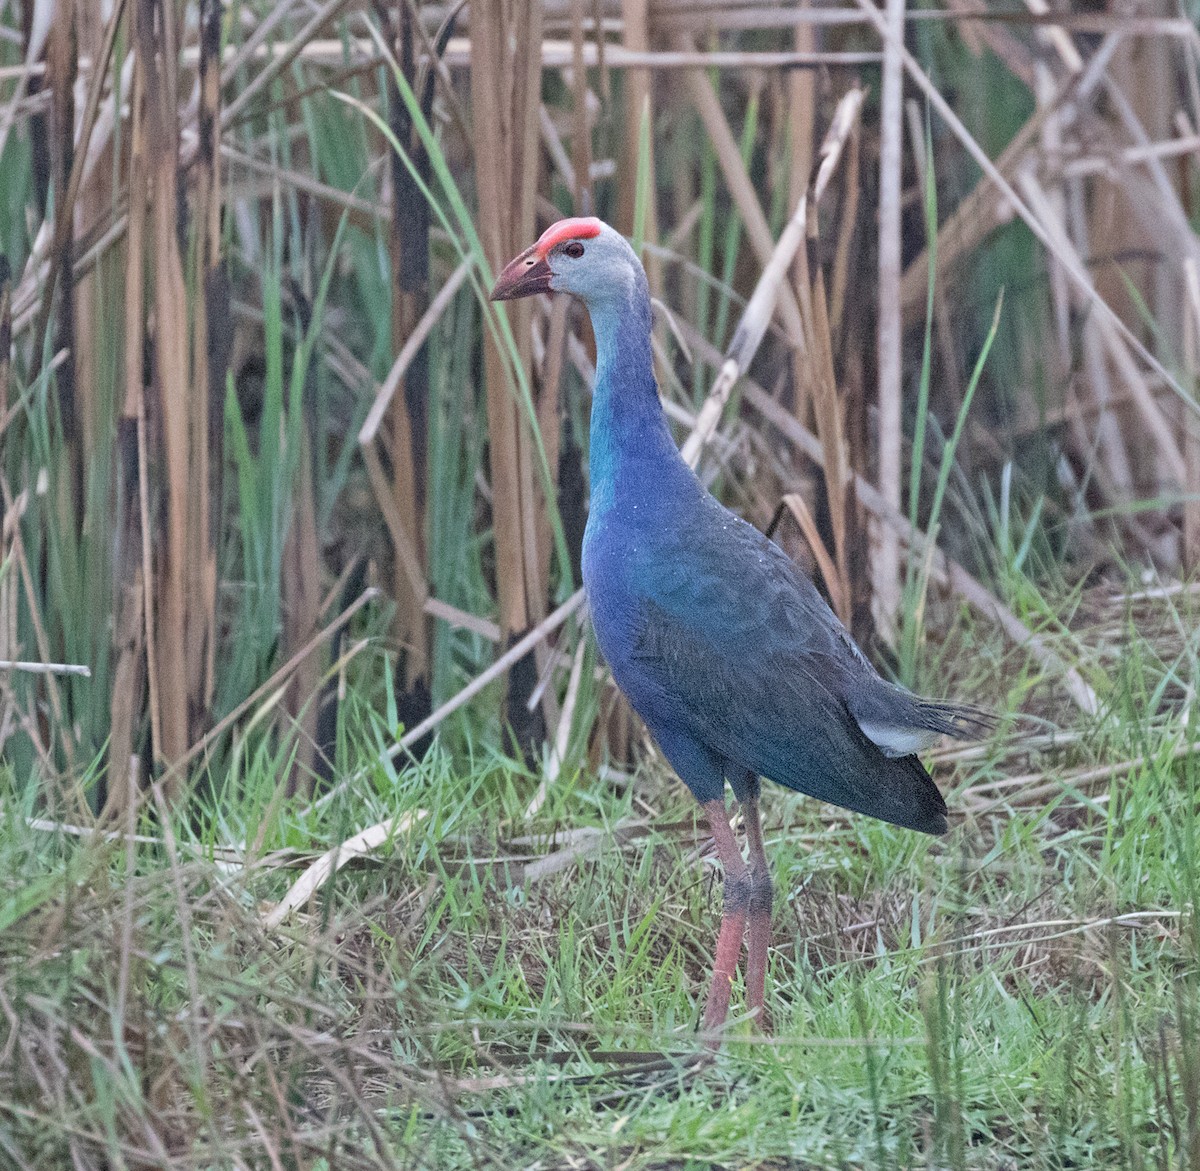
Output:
(573, 249)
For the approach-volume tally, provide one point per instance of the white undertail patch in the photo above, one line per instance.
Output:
(894, 741)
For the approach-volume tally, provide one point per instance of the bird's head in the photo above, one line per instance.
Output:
(583, 256)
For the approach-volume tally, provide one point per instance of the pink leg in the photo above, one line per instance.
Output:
(759, 914)
(735, 906)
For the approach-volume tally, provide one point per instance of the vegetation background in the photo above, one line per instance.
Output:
(324, 840)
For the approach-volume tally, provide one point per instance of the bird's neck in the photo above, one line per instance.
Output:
(631, 444)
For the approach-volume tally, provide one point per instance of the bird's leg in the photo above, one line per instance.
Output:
(735, 905)
(759, 914)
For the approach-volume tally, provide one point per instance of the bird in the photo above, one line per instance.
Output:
(722, 645)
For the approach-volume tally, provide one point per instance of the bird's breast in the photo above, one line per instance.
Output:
(615, 558)
(607, 556)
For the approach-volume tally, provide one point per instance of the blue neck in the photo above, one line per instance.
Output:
(631, 445)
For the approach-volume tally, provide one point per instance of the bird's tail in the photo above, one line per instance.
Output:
(960, 720)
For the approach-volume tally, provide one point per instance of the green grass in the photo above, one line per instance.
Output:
(1022, 993)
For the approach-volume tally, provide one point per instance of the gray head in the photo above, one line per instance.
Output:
(582, 256)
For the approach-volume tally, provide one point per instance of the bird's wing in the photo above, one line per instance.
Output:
(751, 661)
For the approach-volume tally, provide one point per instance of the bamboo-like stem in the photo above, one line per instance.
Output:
(505, 96)
(1191, 423)
(802, 115)
(137, 649)
(155, 43)
(408, 411)
(885, 566)
(635, 39)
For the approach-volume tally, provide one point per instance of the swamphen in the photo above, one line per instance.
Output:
(726, 650)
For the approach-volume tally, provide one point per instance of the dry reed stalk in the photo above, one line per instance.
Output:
(581, 137)
(885, 565)
(463, 619)
(749, 333)
(562, 735)
(155, 42)
(10, 646)
(835, 580)
(135, 650)
(717, 15)
(1191, 422)
(300, 576)
(1110, 162)
(505, 97)
(210, 349)
(801, 114)
(801, 123)
(403, 545)
(94, 197)
(408, 412)
(817, 370)
(315, 876)
(716, 59)
(560, 54)
(639, 103)
(46, 668)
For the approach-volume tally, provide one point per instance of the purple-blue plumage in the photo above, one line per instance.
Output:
(725, 649)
